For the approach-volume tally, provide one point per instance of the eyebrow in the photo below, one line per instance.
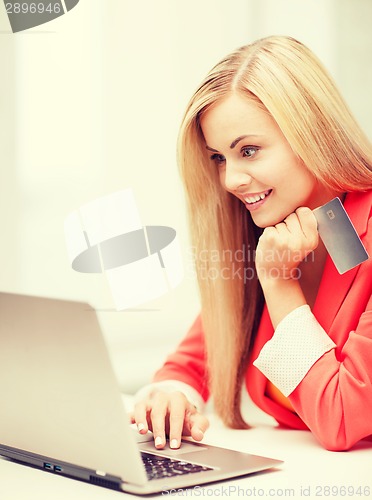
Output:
(235, 142)
(211, 149)
(240, 138)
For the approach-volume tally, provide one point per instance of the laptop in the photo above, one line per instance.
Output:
(62, 411)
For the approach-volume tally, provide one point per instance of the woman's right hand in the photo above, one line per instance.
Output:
(169, 414)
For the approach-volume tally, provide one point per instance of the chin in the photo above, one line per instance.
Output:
(264, 222)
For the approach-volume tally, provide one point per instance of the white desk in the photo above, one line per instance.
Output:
(308, 471)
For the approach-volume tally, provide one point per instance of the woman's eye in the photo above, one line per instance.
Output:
(249, 151)
(218, 159)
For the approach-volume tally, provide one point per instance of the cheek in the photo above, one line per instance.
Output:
(306, 184)
(298, 178)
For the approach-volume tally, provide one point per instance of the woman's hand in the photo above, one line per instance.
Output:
(169, 414)
(281, 248)
(280, 251)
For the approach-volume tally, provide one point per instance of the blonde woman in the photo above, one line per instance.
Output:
(265, 140)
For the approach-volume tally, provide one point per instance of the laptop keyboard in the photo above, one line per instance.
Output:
(158, 467)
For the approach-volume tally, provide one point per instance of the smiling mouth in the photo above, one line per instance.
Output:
(252, 199)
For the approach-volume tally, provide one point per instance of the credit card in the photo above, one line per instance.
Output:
(339, 236)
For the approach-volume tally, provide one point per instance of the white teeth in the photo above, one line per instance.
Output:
(256, 197)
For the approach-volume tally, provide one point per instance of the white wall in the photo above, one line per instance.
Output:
(93, 103)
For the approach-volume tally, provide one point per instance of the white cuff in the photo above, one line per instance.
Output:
(298, 342)
(169, 386)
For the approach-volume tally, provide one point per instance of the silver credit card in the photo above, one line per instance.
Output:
(339, 236)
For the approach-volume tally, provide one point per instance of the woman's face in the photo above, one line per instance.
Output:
(256, 163)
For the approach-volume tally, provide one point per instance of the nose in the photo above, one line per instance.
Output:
(235, 177)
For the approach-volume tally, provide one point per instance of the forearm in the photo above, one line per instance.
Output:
(280, 252)
(282, 296)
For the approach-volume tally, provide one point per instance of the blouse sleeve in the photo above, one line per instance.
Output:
(289, 355)
(330, 389)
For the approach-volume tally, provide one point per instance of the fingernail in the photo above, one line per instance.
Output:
(158, 441)
(140, 427)
(201, 433)
(174, 443)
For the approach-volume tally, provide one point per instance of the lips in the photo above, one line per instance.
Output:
(252, 198)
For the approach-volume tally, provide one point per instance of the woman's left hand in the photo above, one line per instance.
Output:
(281, 248)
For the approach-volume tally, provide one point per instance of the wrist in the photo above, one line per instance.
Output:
(282, 296)
(285, 278)
(275, 273)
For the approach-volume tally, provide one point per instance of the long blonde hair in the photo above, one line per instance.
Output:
(283, 76)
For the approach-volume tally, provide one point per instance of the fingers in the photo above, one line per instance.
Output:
(178, 408)
(169, 414)
(158, 413)
(301, 226)
(198, 425)
(309, 225)
(281, 248)
(140, 417)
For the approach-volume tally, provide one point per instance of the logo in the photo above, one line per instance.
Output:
(26, 15)
(139, 262)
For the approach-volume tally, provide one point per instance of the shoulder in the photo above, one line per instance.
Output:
(358, 198)
(358, 205)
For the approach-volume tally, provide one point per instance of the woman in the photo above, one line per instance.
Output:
(265, 140)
